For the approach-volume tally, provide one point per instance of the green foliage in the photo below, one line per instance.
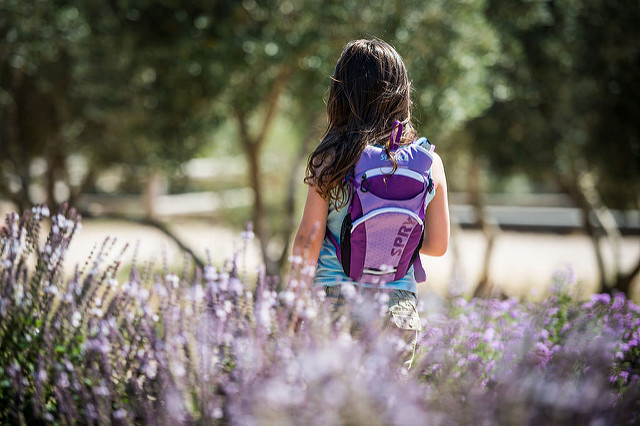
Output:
(565, 95)
(140, 83)
(117, 83)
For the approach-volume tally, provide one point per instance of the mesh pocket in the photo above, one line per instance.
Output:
(383, 235)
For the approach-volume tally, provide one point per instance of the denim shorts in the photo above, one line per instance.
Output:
(403, 304)
(402, 311)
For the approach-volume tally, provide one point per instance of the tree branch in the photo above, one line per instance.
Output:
(579, 200)
(586, 186)
(272, 105)
(243, 128)
(252, 148)
(162, 227)
(271, 109)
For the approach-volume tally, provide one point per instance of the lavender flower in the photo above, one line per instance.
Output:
(213, 347)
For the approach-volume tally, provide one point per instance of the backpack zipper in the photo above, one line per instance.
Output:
(382, 211)
(364, 183)
(399, 172)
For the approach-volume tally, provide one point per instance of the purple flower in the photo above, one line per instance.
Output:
(472, 340)
(604, 298)
(488, 334)
(474, 358)
(543, 354)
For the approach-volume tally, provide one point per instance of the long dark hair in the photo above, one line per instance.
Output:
(369, 91)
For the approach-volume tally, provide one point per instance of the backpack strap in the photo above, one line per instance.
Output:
(418, 270)
(424, 143)
(333, 241)
(351, 180)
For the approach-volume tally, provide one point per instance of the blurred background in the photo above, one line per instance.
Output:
(178, 122)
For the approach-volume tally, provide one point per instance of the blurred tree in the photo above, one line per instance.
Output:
(114, 82)
(288, 50)
(85, 85)
(566, 107)
(453, 48)
(35, 75)
(279, 49)
(140, 83)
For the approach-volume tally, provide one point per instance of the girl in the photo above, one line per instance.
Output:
(369, 91)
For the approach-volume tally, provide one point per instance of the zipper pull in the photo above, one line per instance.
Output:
(364, 184)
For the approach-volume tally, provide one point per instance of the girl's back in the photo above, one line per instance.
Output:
(369, 92)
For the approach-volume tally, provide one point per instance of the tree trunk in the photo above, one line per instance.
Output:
(585, 196)
(488, 227)
(56, 110)
(55, 168)
(294, 177)
(571, 188)
(17, 141)
(604, 216)
(252, 146)
(154, 187)
(623, 281)
(259, 215)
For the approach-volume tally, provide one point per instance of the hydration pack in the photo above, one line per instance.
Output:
(383, 230)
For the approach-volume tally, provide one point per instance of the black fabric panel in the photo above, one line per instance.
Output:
(345, 244)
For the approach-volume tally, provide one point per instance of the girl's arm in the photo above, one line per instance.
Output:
(436, 229)
(308, 240)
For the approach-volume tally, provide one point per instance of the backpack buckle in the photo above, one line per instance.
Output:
(430, 184)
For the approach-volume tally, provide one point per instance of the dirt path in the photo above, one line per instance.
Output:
(523, 264)
(220, 243)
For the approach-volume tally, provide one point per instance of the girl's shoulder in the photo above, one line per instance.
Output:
(437, 165)
(437, 169)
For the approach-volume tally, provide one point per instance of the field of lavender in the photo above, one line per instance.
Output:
(131, 341)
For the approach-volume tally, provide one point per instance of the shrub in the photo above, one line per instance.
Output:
(207, 347)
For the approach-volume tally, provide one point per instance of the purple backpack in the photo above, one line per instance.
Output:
(382, 233)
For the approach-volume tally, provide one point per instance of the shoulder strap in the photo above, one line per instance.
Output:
(418, 270)
(424, 143)
(332, 239)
